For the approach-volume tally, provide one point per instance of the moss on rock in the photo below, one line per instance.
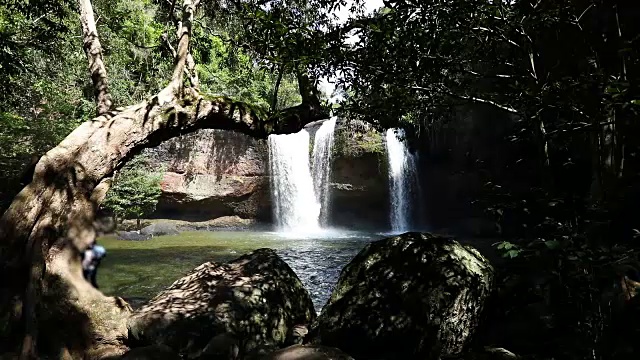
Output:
(253, 300)
(413, 296)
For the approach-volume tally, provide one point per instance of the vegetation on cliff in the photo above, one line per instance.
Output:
(354, 139)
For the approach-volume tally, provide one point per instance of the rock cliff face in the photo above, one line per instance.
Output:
(211, 174)
(359, 181)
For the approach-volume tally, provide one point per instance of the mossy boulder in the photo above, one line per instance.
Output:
(251, 303)
(153, 352)
(412, 296)
(306, 352)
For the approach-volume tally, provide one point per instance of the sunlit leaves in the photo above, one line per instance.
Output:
(138, 62)
(229, 71)
(509, 250)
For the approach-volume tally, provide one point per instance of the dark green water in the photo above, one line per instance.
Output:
(138, 270)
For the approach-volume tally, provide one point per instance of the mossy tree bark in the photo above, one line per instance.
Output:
(50, 222)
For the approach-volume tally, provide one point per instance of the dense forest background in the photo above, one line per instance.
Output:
(46, 90)
(554, 82)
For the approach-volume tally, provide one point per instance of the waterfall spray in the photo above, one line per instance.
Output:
(300, 193)
(402, 180)
(295, 205)
(321, 168)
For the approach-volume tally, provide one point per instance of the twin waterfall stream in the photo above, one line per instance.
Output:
(299, 191)
(301, 176)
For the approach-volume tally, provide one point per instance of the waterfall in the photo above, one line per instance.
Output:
(295, 205)
(321, 170)
(402, 179)
(300, 193)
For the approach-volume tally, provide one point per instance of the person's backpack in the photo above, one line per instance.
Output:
(99, 252)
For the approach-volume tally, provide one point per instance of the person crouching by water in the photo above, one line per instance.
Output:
(91, 259)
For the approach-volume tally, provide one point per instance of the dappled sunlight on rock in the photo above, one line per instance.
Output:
(413, 296)
(307, 352)
(250, 303)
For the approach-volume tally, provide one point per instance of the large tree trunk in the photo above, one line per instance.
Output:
(50, 222)
(274, 99)
(55, 212)
(93, 49)
(308, 89)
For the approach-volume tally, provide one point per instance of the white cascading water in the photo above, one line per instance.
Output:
(321, 166)
(402, 177)
(295, 205)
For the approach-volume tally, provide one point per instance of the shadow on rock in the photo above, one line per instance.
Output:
(226, 310)
(66, 329)
(413, 296)
(306, 352)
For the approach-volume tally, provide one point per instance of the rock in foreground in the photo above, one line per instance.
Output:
(248, 304)
(413, 296)
(153, 352)
(307, 352)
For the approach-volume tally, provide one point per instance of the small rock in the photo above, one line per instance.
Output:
(160, 229)
(132, 236)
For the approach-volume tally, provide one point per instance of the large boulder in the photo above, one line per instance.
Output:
(412, 296)
(307, 352)
(250, 303)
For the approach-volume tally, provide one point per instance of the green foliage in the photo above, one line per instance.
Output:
(26, 26)
(356, 144)
(287, 32)
(135, 191)
(138, 61)
(509, 250)
(43, 108)
(44, 70)
(352, 140)
(228, 71)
